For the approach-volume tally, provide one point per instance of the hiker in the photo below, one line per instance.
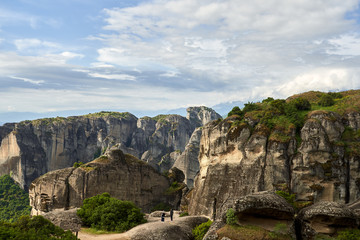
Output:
(171, 214)
(163, 217)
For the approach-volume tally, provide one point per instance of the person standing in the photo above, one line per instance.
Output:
(171, 214)
(163, 217)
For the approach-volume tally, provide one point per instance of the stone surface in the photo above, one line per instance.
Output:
(325, 218)
(237, 159)
(30, 149)
(179, 229)
(123, 176)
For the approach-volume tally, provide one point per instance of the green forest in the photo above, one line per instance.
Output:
(14, 201)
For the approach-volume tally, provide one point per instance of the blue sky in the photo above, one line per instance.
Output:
(72, 57)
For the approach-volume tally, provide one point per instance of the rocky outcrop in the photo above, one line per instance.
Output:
(238, 158)
(188, 160)
(262, 209)
(30, 149)
(122, 176)
(179, 229)
(324, 218)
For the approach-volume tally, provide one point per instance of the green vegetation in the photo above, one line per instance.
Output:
(161, 207)
(103, 212)
(281, 120)
(200, 231)
(32, 228)
(108, 114)
(161, 118)
(14, 201)
(230, 217)
(247, 232)
(78, 164)
(349, 234)
(290, 198)
(174, 188)
(184, 214)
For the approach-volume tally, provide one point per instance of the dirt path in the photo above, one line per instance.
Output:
(120, 236)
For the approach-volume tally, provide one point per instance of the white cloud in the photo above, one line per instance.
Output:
(36, 82)
(113, 76)
(348, 45)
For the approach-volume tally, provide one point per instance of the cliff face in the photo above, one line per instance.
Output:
(30, 149)
(237, 159)
(123, 176)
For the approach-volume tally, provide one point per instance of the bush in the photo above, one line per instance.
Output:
(161, 207)
(184, 214)
(290, 198)
(301, 103)
(350, 234)
(200, 231)
(235, 111)
(36, 227)
(326, 100)
(110, 214)
(230, 216)
(250, 106)
(78, 164)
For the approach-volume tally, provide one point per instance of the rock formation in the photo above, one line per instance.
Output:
(122, 176)
(325, 218)
(30, 149)
(179, 229)
(239, 158)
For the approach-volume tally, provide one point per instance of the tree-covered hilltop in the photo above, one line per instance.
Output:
(36, 227)
(279, 117)
(14, 201)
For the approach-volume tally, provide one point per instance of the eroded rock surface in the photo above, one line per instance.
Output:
(325, 218)
(121, 175)
(240, 158)
(30, 149)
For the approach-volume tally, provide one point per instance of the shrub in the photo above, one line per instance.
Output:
(301, 103)
(110, 214)
(36, 227)
(200, 231)
(230, 216)
(184, 214)
(250, 106)
(161, 207)
(235, 111)
(290, 198)
(326, 100)
(349, 234)
(78, 164)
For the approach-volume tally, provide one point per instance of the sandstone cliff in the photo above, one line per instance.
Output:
(242, 155)
(30, 149)
(123, 176)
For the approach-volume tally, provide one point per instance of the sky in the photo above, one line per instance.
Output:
(70, 57)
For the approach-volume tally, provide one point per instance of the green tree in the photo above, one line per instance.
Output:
(326, 100)
(110, 214)
(301, 103)
(200, 231)
(235, 111)
(33, 228)
(14, 201)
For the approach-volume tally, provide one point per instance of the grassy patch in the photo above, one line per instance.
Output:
(95, 231)
(107, 114)
(174, 188)
(248, 232)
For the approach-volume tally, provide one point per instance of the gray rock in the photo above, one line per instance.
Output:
(325, 218)
(179, 229)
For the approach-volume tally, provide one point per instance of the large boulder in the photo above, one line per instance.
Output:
(324, 218)
(179, 229)
(121, 175)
